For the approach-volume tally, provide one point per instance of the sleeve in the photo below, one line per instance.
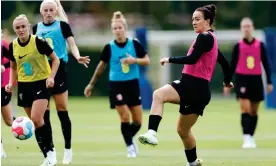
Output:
(234, 60)
(11, 57)
(202, 44)
(43, 47)
(7, 65)
(5, 52)
(140, 51)
(265, 63)
(106, 53)
(66, 30)
(34, 28)
(225, 67)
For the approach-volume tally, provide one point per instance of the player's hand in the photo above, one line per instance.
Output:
(88, 89)
(230, 85)
(128, 60)
(8, 88)
(164, 60)
(227, 88)
(269, 88)
(3, 68)
(84, 60)
(50, 82)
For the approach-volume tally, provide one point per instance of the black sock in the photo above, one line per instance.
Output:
(66, 127)
(134, 128)
(48, 124)
(191, 155)
(245, 122)
(154, 121)
(253, 124)
(43, 139)
(126, 131)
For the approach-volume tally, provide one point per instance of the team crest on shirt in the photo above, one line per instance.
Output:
(242, 89)
(119, 97)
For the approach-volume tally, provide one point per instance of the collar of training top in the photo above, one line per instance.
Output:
(247, 42)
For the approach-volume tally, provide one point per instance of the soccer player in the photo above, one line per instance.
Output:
(6, 108)
(247, 56)
(124, 55)
(192, 91)
(29, 65)
(56, 31)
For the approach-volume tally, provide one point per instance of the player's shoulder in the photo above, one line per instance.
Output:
(39, 38)
(63, 23)
(107, 46)
(205, 35)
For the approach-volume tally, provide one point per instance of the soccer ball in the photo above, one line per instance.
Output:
(22, 128)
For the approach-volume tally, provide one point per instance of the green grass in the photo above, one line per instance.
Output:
(97, 139)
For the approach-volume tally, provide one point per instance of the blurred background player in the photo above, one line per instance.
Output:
(192, 91)
(29, 65)
(56, 31)
(124, 55)
(247, 58)
(6, 108)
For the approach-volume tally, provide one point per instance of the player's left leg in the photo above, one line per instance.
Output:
(124, 115)
(6, 111)
(37, 115)
(253, 115)
(7, 114)
(137, 114)
(61, 102)
(185, 123)
(8, 119)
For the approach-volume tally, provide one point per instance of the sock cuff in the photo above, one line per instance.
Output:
(62, 113)
(135, 124)
(194, 148)
(125, 124)
(156, 116)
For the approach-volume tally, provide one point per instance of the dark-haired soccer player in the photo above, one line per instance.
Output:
(192, 92)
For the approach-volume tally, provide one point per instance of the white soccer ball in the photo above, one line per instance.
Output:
(23, 128)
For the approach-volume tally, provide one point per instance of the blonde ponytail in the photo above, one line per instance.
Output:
(61, 15)
(118, 16)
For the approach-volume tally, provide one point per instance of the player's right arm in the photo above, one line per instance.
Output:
(105, 58)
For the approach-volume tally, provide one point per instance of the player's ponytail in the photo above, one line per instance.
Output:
(61, 15)
(118, 16)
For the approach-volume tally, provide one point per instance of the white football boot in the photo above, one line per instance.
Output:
(67, 158)
(149, 138)
(3, 153)
(198, 162)
(248, 142)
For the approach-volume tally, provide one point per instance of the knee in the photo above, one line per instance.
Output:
(8, 122)
(125, 117)
(245, 109)
(38, 122)
(253, 112)
(61, 106)
(182, 132)
(158, 95)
